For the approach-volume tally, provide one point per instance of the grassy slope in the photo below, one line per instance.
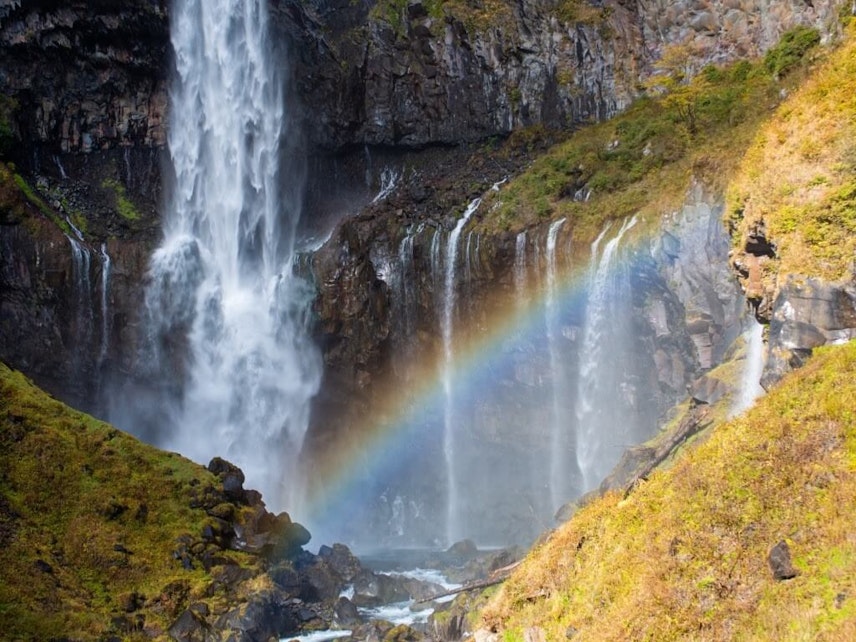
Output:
(684, 555)
(799, 176)
(71, 489)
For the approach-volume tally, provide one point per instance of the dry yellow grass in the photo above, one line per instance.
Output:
(799, 176)
(684, 556)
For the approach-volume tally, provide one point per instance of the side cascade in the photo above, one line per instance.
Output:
(559, 419)
(223, 293)
(604, 427)
(750, 379)
(449, 417)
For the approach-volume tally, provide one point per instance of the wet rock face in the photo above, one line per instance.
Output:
(682, 310)
(115, 94)
(807, 313)
(413, 75)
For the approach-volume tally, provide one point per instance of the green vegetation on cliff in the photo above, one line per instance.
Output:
(797, 182)
(643, 160)
(684, 555)
(96, 528)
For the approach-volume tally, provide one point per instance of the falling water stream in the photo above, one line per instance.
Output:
(600, 378)
(449, 419)
(558, 426)
(224, 275)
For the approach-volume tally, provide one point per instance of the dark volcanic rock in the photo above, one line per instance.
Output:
(779, 560)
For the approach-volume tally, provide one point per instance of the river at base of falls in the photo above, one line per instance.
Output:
(397, 613)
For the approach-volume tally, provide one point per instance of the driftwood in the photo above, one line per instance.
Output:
(496, 577)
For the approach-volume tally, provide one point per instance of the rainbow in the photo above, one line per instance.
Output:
(483, 356)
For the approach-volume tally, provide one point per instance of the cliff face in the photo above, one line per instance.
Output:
(88, 89)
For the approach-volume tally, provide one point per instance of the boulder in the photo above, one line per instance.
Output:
(779, 560)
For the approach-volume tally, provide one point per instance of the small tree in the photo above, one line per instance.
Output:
(675, 78)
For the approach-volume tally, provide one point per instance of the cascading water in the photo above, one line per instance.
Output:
(753, 367)
(223, 279)
(559, 419)
(604, 430)
(105, 317)
(449, 419)
(81, 261)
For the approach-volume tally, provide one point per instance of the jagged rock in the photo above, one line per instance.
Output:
(192, 627)
(779, 560)
(709, 390)
(346, 612)
(807, 313)
(319, 582)
(344, 563)
(264, 616)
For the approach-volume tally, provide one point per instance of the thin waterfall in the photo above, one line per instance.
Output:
(105, 317)
(405, 258)
(559, 419)
(520, 264)
(753, 368)
(449, 419)
(602, 428)
(81, 261)
(223, 277)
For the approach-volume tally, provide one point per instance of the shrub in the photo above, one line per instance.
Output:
(791, 49)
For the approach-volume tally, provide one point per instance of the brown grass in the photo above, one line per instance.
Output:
(684, 556)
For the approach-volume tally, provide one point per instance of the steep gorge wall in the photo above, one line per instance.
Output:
(89, 120)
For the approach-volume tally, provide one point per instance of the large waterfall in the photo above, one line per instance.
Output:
(222, 291)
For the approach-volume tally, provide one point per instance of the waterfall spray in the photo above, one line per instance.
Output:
(600, 423)
(223, 276)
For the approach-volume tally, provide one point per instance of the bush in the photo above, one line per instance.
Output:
(791, 49)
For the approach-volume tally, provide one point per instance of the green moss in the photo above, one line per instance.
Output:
(124, 206)
(75, 494)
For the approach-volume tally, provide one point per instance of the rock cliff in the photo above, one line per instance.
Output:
(429, 87)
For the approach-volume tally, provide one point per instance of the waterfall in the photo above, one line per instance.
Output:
(449, 419)
(559, 419)
(105, 318)
(222, 284)
(388, 182)
(520, 263)
(753, 368)
(604, 430)
(405, 258)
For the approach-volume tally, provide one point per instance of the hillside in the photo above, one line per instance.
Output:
(684, 553)
(101, 534)
(684, 556)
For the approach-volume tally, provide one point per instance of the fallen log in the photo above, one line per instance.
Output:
(496, 577)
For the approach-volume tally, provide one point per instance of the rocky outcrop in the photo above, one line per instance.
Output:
(115, 96)
(807, 313)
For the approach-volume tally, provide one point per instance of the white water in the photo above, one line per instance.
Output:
(520, 264)
(753, 368)
(105, 317)
(389, 178)
(449, 432)
(558, 425)
(224, 273)
(599, 375)
(319, 636)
